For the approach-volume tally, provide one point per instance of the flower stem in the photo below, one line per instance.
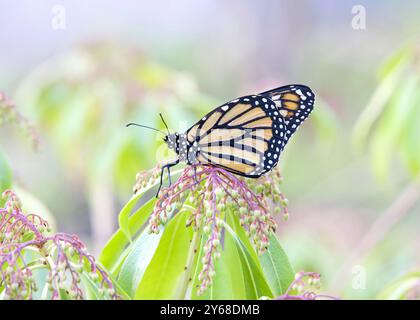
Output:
(381, 226)
(189, 266)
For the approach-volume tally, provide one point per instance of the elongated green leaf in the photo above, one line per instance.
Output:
(124, 216)
(375, 107)
(396, 60)
(324, 121)
(238, 275)
(5, 174)
(277, 268)
(164, 274)
(391, 126)
(229, 280)
(91, 289)
(256, 285)
(197, 266)
(400, 288)
(134, 266)
(112, 254)
(234, 223)
(120, 291)
(409, 141)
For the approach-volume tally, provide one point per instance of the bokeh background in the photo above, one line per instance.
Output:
(79, 71)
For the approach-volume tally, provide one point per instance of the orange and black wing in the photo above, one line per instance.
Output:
(294, 102)
(244, 136)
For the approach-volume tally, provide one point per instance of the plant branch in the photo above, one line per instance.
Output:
(383, 225)
(189, 266)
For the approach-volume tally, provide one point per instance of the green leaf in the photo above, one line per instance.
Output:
(400, 288)
(119, 246)
(253, 284)
(391, 126)
(377, 103)
(409, 141)
(5, 174)
(124, 216)
(112, 254)
(229, 280)
(257, 285)
(324, 121)
(165, 272)
(125, 213)
(134, 266)
(396, 60)
(64, 295)
(239, 231)
(277, 269)
(91, 288)
(120, 291)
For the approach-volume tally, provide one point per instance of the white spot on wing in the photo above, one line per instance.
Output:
(300, 93)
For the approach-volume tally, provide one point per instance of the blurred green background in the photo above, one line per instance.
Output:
(79, 71)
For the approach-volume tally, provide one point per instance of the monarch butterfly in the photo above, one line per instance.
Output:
(244, 136)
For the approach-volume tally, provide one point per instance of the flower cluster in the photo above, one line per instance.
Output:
(26, 247)
(147, 178)
(9, 114)
(304, 287)
(211, 193)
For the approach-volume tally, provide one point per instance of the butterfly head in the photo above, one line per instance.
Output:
(172, 140)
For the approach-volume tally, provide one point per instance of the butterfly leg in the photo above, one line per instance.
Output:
(166, 166)
(161, 181)
(169, 175)
(195, 174)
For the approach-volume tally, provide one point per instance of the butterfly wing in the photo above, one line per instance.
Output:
(244, 136)
(294, 102)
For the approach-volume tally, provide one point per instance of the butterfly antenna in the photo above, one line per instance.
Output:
(163, 120)
(143, 126)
